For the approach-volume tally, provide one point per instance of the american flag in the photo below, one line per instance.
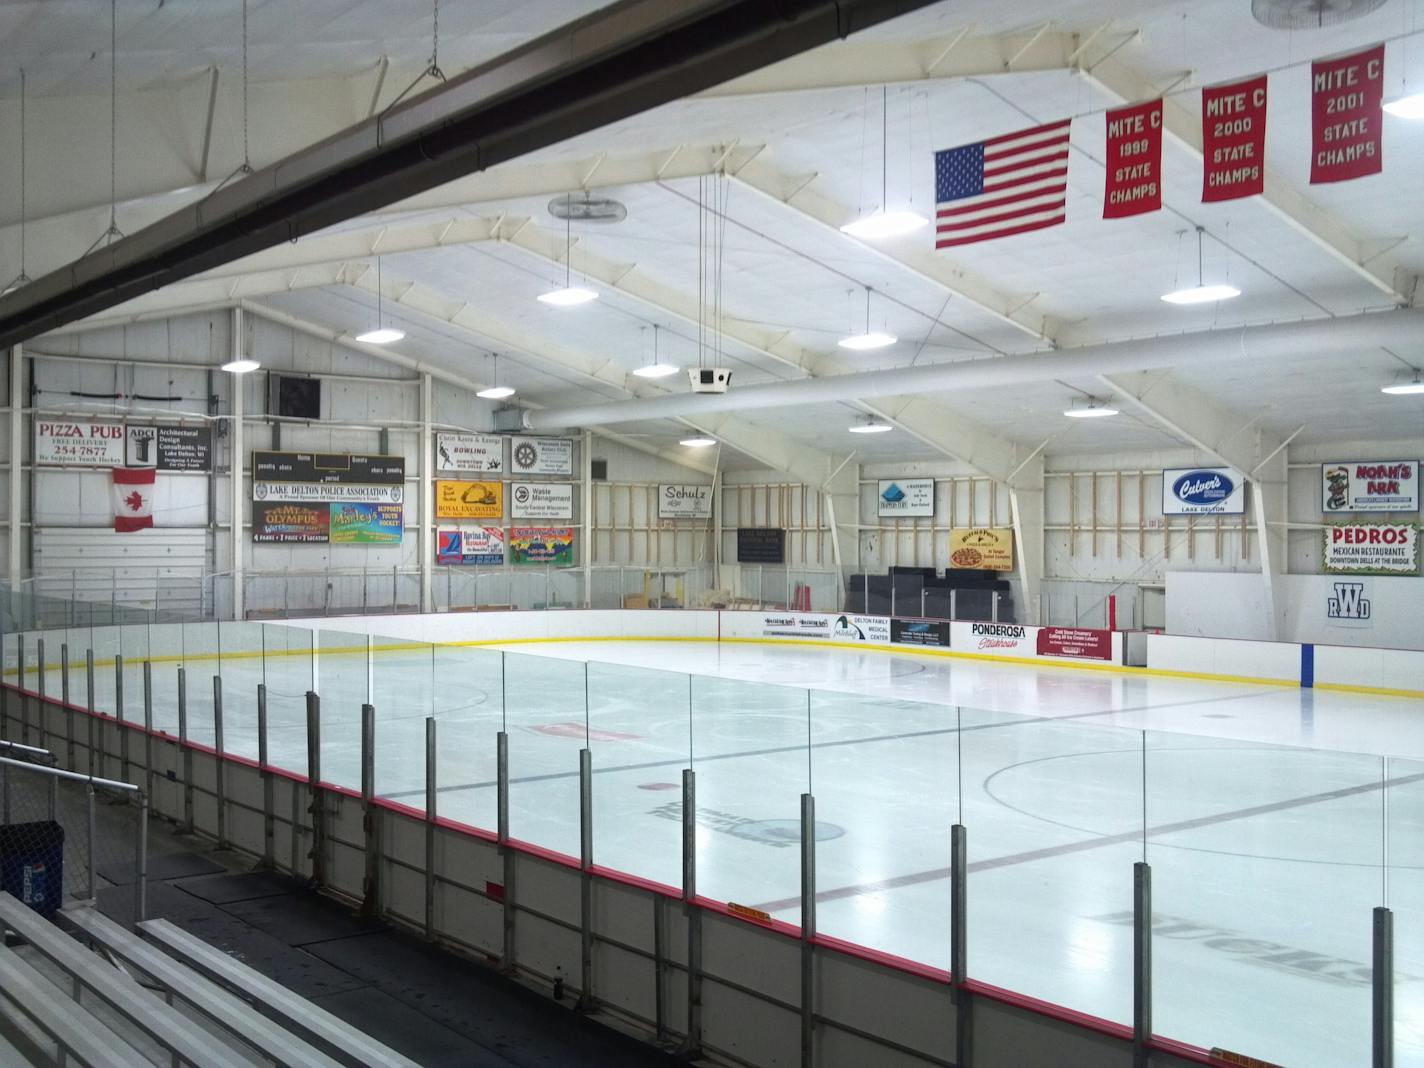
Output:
(1005, 185)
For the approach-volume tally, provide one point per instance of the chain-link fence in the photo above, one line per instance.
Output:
(63, 836)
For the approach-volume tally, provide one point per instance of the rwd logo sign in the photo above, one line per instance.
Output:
(1349, 603)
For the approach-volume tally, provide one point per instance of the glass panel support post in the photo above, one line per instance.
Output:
(808, 931)
(371, 881)
(502, 833)
(89, 703)
(141, 862)
(692, 1044)
(264, 769)
(959, 942)
(219, 770)
(183, 748)
(432, 793)
(1141, 963)
(1382, 1030)
(119, 716)
(147, 731)
(317, 806)
(585, 999)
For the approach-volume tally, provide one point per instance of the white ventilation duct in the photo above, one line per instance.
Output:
(1276, 341)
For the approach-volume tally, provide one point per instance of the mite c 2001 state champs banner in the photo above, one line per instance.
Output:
(1234, 139)
(1346, 117)
(1134, 161)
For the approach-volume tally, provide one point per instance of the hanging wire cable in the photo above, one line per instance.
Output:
(246, 167)
(113, 111)
(21, 278)
(432, 69)
(112, 230)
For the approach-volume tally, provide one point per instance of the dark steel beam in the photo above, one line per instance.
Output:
(614, 63)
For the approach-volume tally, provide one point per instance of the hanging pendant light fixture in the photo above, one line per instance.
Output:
(1201, 293)
(869, 425)
(1093, 408)
(571, 295)
(656, 369)
(1405, 386)
(495, 391)
(883, 222)
(380, 334)
(870, 339)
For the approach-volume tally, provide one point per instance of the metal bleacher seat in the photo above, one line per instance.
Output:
(207, 997)
(28, 1004)
(347, 1044)
(182, 1036)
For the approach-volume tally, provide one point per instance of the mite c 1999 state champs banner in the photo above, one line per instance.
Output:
(1346, 117)
(1134, 161)
(1234, 139)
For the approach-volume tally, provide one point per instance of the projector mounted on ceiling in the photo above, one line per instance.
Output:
(587, 209)
(1310, 14)
(709, 379)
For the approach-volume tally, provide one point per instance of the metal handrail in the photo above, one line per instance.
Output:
(72, 776)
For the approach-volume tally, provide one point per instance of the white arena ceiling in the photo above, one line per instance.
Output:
(796, 151)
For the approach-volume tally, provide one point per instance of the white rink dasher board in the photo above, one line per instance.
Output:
(1388, 671)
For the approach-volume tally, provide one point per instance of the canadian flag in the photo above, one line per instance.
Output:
(133, 498)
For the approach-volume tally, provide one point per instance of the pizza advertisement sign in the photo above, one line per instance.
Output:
(984, 548)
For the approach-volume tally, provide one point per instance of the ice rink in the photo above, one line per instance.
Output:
(1262, 809)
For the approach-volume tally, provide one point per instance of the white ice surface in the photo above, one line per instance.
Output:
(1267, 827)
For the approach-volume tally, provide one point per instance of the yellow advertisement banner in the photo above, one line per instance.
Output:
(987, 548)
(469, 500)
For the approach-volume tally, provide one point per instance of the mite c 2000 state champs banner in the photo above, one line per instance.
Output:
(1134, 161)
(1346, 117)
(1234, 139)
(133, 498)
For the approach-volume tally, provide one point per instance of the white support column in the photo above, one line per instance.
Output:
(1026, 505)
(586, 508)
(17, 467)
(425, 496)
(1269, 509)
(236, 386)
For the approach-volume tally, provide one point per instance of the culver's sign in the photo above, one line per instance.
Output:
(1203, 490)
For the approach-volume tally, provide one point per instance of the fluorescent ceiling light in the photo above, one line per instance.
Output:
(383, 335)
(1091, 410)
(656, 370)
(1407, 107)
(1201, 294)
(240, 367)
(873, 339)
(496, 392)
(568, 297)
(869, 426)
(698, 443)
(1404, 387)
(884, 224)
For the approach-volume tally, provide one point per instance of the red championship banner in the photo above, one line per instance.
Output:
(1345, 117)
(1134, 179)
(1234, 140)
